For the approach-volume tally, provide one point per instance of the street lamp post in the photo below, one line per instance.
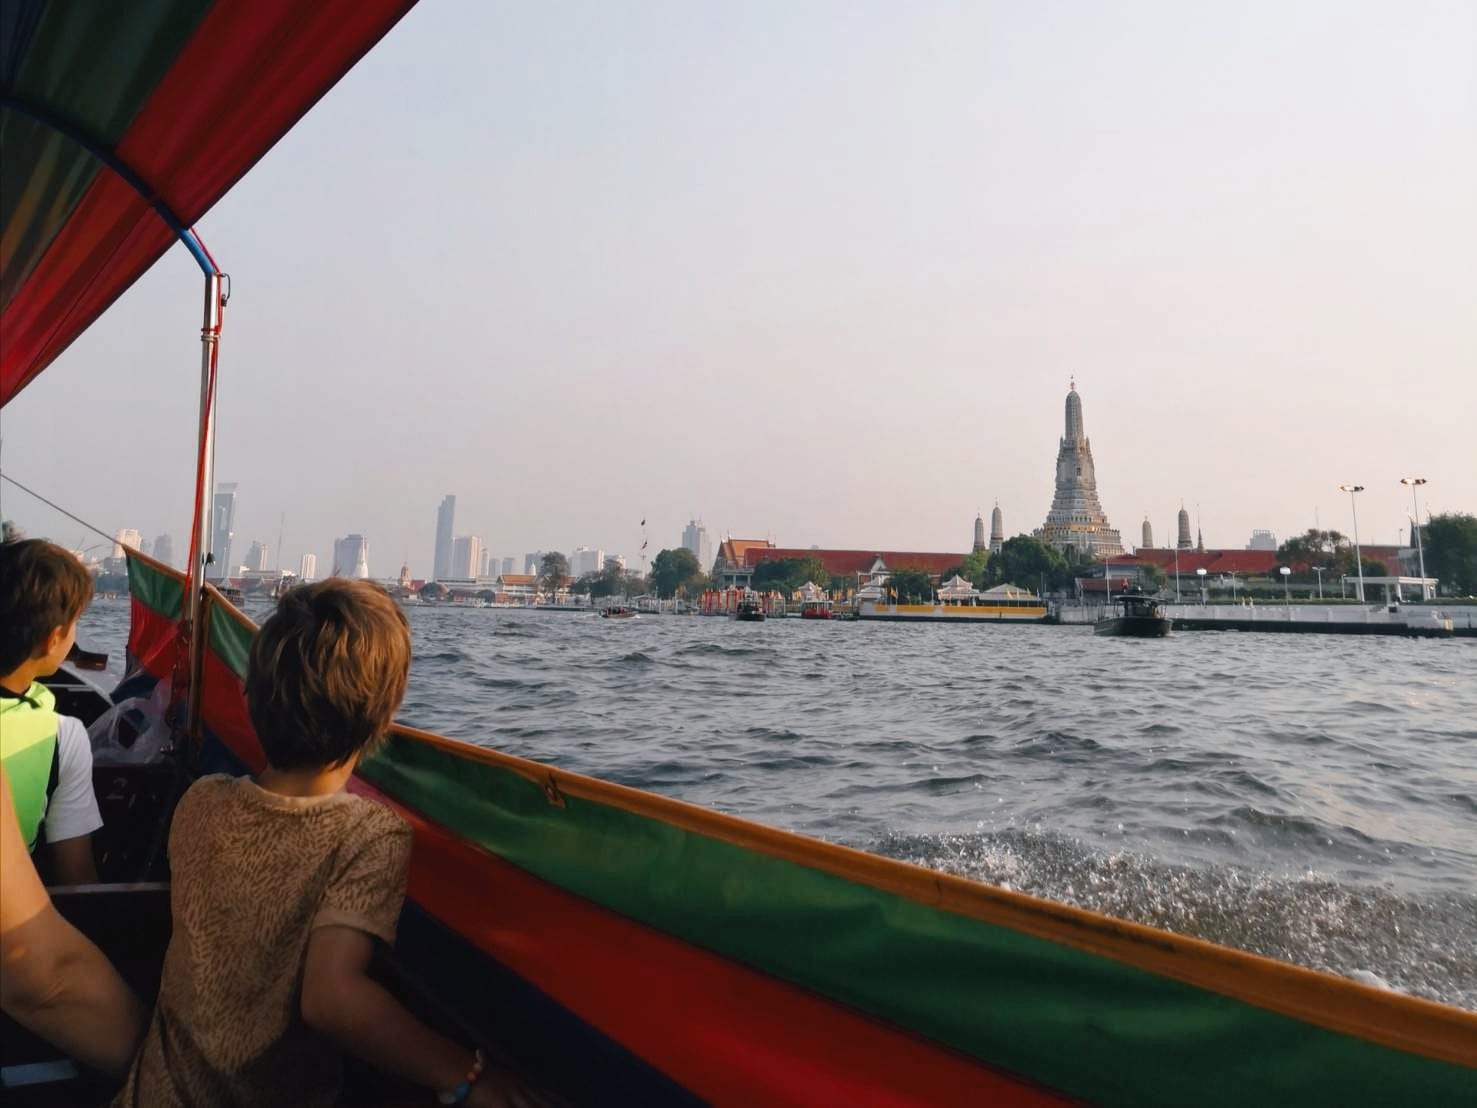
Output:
(1286, 592)
(1200, 572)
(1358, 558)
(1319, 571)
(1415, 521)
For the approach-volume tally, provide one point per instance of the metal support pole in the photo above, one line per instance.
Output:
(210, 329)
(1415, 522)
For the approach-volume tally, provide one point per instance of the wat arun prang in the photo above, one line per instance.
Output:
(1076, 519)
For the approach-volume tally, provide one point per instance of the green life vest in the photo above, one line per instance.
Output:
(28, 749)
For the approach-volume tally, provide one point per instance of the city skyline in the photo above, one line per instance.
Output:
(823, 277)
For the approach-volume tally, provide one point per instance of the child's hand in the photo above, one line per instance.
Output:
(498, 1088)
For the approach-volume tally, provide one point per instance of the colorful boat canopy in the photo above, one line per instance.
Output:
(123, 123)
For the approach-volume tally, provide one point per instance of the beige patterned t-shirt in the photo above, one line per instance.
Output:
(253, 874)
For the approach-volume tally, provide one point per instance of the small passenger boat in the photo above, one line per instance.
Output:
(750, 609)
(1136, 615)
(816, 609)
(618, 611)
(614, 944)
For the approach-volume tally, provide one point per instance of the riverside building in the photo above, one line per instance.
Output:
(1076, 520)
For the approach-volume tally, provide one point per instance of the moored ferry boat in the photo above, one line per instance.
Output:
(957, 602)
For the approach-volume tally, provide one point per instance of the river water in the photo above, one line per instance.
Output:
(1311, 798)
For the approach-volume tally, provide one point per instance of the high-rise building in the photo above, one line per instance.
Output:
(507, 566)
(308, 569)
(531, 561)
(466, 558)
(1148, 536)
(1262, 540)
(351, 557)
(256, 556)
(164, 550)
(997, 529)
(1076, 519)
(1183, 540)
(126, 536)
(222, 530)
(445, 530)
(583, 560)
(695, 538)
(979, 532)
(485, 568)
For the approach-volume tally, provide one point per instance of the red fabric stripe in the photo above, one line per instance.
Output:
(223, 708)
(250, 71)
(110, 239)
(728, 1033)
(152, 639)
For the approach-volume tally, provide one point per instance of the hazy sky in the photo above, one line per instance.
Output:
(819, 272)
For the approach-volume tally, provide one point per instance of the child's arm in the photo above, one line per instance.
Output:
(340, 1000)
(72, 862)
(72, 814)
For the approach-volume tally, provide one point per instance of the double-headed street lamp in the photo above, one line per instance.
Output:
(1200, 572)
(1415, 522)
(1319, 571)
(1286, 593)
(1358, 559)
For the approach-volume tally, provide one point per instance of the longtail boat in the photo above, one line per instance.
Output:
(618, 946)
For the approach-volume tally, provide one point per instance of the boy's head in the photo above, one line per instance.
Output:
(327, 673)
(43, 591)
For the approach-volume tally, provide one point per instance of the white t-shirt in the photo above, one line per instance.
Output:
(72, 810)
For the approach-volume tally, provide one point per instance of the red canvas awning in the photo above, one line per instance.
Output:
(122, 124)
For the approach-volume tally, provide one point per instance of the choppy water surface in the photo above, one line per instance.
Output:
(1312, 798)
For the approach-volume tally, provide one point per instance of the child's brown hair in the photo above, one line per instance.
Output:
(327, 673)
(42, 587)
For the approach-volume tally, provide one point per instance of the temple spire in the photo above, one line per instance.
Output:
(1077, 519)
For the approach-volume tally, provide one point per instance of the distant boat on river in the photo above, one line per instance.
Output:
(1136, 615)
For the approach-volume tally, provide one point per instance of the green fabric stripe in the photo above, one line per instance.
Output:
(159, 591)
(94, 65)
(1073, 1021)
(230, 640)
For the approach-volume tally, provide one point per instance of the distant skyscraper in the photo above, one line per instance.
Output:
(256, 556)
(531, 561)
(309, 567)
(1262, 540)
(445, 530)
(126, 536)
(351, 556)
(583, 560)
(164, 550)
(508, 564)
(997, 529)
(466, 558)
(222, 530)
(1076, 518)
(485, 568)
(979, 532)
(1148, 543)
(1183, 541)
(695, 538)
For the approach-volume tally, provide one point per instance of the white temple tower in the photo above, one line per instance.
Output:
(1184, 542)
(1076, 519)
(997, 530)
(1148, 543)
(979, 532)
